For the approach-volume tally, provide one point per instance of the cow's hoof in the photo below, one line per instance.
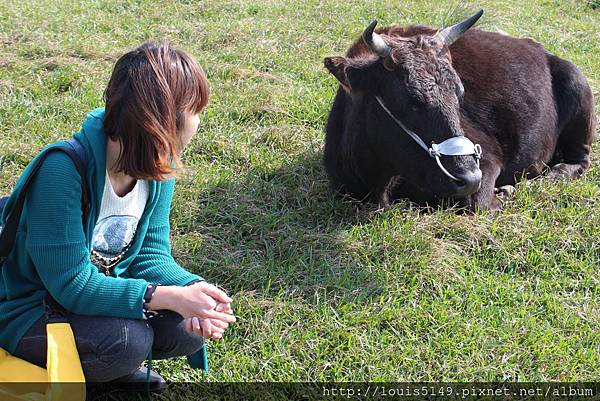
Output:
(495, 206)
(563, 171)
(504, 191)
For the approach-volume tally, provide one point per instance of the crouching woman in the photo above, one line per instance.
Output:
(124, 295)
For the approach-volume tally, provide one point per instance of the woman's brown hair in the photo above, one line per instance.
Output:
(150, 89)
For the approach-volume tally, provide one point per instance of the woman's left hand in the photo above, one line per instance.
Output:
(205, 327)
(224, 307)
(209, 328)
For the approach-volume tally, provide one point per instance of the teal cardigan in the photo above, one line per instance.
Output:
(52, 249)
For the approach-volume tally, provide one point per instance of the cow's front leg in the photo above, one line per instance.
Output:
(486, 197)
(383, 192)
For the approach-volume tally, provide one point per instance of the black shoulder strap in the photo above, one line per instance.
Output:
(81, 162)
(78, 154)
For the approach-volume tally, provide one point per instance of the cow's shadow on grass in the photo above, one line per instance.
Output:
(276, 230)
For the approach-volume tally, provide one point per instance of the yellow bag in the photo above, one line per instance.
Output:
(62, 380)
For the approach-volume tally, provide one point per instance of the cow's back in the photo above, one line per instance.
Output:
(508, 97)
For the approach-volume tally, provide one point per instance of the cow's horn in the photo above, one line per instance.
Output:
(451, 34)
(374, 41)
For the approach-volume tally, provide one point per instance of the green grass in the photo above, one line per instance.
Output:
(326, 290)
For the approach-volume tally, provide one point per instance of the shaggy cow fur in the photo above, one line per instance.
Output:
(528, 109)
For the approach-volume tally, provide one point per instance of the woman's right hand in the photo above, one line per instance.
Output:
(200, 300)
(206, 308)
(209, 328)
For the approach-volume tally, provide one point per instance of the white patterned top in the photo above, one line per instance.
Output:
(117, 224)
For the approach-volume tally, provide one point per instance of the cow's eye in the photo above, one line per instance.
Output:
(416, 105)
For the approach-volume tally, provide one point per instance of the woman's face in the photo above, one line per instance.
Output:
(190, 126)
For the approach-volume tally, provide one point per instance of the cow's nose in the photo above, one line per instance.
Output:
(469, 182)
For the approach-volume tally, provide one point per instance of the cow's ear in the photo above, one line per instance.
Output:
(353, 75)
(337, 66)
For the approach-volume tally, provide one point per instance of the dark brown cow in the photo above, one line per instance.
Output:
(452, 114)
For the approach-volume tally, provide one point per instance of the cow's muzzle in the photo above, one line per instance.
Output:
(467, 182)
(453, 146)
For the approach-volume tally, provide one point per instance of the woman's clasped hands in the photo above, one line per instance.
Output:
(206, 309)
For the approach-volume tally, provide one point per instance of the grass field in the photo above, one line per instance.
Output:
(326, 290)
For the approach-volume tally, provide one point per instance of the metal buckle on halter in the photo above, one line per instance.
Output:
(454, 146)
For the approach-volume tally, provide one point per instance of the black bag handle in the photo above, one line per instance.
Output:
(78, 154)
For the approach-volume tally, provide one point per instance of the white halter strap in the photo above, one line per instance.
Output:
(453, 146)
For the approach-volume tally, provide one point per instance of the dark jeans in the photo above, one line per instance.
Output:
(111, 347)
